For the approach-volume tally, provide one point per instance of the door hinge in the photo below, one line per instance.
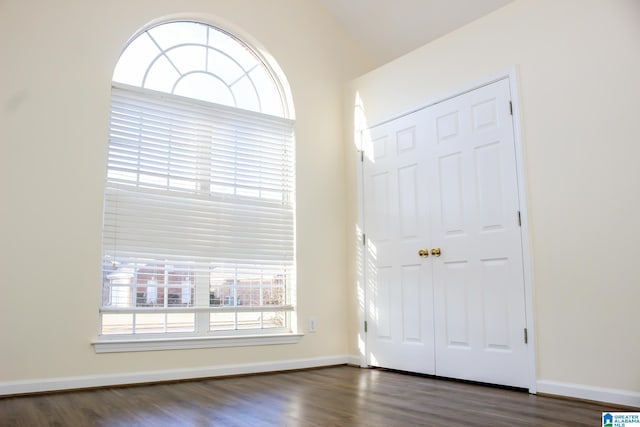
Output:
(364, 239)
(519, 219)
(511, 108)
(365, 326)
(526, 336)
(362, 156)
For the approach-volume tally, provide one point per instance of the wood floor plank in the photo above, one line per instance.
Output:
(336, 396)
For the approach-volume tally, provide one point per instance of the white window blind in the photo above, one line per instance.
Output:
(199, 216)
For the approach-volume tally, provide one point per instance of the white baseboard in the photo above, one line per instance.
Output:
(69, 383)
(599, 394)
(354, 360)
(579, 391)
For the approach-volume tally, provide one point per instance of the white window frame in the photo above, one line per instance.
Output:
(201, 336)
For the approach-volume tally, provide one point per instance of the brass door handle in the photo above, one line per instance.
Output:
(436, 252)
(423, 253)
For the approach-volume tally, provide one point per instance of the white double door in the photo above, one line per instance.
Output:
(444, 179)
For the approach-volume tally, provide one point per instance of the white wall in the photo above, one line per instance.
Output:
(578, 63)
(57, 58)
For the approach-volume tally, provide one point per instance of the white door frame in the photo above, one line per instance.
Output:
(527, 253)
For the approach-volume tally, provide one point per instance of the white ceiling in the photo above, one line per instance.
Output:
(387, 29)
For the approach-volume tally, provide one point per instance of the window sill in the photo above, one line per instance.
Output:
(183, 343)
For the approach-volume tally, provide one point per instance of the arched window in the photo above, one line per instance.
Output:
(198, 234)
(201, 62)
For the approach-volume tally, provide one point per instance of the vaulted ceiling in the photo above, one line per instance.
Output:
(387, 29)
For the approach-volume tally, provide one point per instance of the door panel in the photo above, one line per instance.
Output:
(456, 304)
(412, 311)
(407, 199)
(489, 187)
(493, 280)
(451, 200)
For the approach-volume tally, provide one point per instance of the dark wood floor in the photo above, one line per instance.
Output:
(336, 396)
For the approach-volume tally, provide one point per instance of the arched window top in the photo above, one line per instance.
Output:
(202, 62)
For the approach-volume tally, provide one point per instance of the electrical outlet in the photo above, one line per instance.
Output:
(312, 324)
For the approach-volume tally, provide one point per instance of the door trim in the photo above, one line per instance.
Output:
(511, 75)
